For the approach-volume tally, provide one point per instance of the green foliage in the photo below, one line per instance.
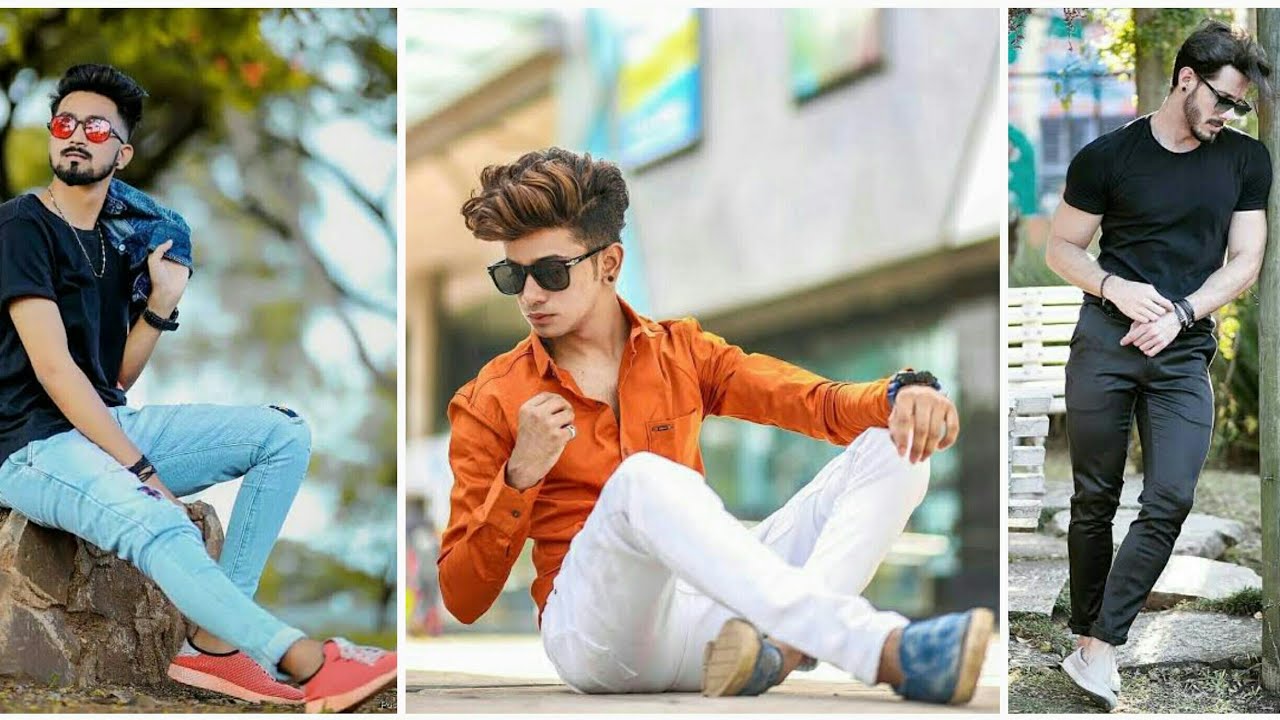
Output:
(1028, 268)
(1235, 383)
(1160, 35)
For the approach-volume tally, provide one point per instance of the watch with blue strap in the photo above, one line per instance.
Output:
(907, 376)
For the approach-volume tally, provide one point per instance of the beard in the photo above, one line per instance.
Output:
(1195, 119)
(82, 171)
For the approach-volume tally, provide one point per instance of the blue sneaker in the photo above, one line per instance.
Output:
(942, 657)
(739, 661)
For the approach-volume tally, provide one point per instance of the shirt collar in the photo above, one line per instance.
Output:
(640, 325)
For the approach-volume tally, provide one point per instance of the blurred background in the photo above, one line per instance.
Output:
(274, 133)
(817, 185)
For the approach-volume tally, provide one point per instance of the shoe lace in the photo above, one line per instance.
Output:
(359, 653)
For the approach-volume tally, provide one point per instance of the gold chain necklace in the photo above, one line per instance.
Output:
(102, 243)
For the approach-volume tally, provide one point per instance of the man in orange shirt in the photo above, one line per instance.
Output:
(584, 437)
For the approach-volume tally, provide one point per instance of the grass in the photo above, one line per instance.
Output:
(1160, 690)
(1245, 603)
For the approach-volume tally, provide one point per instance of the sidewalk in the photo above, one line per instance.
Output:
(511, 674)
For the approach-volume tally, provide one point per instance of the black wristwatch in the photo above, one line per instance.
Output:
(911, 377)
(160, 323)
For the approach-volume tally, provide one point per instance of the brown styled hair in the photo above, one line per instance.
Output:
(551, 188)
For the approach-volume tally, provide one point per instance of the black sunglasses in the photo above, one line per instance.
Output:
(550, 273)
(1240, 107)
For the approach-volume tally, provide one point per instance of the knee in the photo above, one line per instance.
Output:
(288, 432)
(875, 456)
(659, 476)
(1094, 507)
(161, 525)
(1169, 504)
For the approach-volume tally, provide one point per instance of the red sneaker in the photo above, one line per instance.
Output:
(350, 675)
(235, 675)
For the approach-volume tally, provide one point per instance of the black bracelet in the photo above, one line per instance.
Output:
(1191, 311)
(1102, 285)
(142, 469)
(1181, 313)
(160, 323)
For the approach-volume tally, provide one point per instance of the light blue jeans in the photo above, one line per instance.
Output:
(68, 482)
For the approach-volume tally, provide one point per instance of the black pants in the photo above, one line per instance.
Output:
(1170, 396)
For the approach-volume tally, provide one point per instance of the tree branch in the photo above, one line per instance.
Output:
(337, 292)
(253, 208)
(371, 204)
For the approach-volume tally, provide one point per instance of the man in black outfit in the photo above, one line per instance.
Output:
(1173, 192)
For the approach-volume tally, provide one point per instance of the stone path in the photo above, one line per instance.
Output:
(1034, 585)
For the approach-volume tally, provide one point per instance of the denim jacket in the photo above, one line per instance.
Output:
(136, 225)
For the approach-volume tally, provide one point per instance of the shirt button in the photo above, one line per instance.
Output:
(515, 513)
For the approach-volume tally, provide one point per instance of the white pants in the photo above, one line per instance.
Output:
(660, 565)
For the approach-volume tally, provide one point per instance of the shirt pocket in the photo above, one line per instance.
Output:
(675, 438)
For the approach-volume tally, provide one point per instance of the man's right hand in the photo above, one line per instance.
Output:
(543, 433)
(1138, 301)
(156, 484)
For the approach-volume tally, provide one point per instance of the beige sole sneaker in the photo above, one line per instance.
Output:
(729, 659)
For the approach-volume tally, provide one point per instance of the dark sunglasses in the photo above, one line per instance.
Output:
(96, 129)
(550, 273)
(1240, 107)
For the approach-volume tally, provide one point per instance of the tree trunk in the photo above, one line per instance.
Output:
(1151, 68)
(1269, 377)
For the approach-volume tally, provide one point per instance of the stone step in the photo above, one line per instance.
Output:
(1036, 546)
(1192, 578)
(1034, 585)
(1202, 535)
(1180, 637)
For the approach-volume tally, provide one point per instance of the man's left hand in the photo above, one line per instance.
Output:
(923, 420)
(1154, 336)
(168, 281)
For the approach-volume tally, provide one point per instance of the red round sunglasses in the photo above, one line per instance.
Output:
(96, 129)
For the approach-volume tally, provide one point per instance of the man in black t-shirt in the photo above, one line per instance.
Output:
(74, 456)
(1173, 192)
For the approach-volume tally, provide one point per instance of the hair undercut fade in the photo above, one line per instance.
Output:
(551, 188)
(108, 82)
(1213, 45)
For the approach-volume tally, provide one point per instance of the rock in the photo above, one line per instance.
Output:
(1202, 535)
(1034, 585)
(1190, 578)
(1182, 638)
(1036, 546)
(73, 614)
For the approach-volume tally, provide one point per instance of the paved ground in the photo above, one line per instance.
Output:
(511, 674)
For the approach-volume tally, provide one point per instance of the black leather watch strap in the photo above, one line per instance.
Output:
(159, 323)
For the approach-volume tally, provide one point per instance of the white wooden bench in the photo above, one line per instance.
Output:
(1028, 423)
(1041, 322)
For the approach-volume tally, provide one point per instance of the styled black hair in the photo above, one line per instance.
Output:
(1215, 44)
(108, 82)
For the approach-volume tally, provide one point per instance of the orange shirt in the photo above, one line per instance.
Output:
(672, 375)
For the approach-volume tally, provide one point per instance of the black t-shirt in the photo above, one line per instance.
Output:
(40, 257)
(1165, 215)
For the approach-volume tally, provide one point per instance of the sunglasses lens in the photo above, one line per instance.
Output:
(551, 275)
(97, 130)
(508, 279)
(62, 126)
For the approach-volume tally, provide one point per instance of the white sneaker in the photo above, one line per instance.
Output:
(1115, 678)
(1095, 676)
